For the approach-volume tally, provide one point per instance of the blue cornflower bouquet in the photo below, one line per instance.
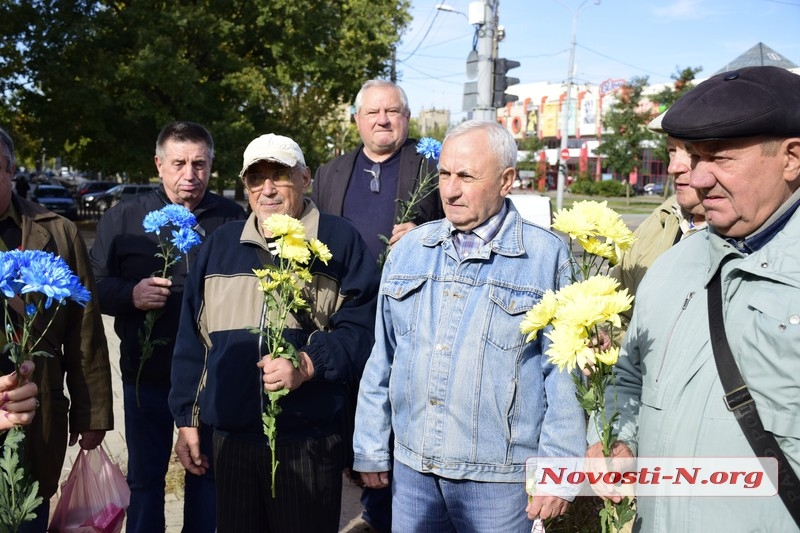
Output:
(183, 239)
(31, 281)
(430, 149)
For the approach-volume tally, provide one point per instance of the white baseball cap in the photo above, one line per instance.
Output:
(271, 147)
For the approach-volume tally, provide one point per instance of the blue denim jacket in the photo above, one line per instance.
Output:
(450, 373)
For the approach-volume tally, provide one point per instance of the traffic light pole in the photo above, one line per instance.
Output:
(487, 51)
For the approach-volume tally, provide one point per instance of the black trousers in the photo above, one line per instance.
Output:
(308, 496)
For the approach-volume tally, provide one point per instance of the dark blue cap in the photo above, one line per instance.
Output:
(747, 102)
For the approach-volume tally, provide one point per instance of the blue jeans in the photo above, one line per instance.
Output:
(428, 503)
(149, 429)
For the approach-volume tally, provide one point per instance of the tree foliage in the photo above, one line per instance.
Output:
(683, 81)
(627, 120)
(626, 124)
(98, 79)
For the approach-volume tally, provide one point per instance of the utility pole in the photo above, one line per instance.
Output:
(487, 52)
(562, 165)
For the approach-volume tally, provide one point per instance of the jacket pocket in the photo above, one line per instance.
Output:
(405, 301)
(505, 315)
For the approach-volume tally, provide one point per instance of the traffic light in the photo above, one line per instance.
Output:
(501, 82)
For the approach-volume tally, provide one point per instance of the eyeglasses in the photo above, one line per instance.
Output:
(375, 182)
(280, 178)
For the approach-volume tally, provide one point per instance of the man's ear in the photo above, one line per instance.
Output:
(791, 169)
(507, 180)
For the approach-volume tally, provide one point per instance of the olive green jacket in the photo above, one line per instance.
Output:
(80, 353)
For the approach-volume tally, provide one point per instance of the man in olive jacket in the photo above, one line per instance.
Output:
(75, 338)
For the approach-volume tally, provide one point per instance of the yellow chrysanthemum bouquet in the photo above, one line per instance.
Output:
(583, 316)
(283, 284)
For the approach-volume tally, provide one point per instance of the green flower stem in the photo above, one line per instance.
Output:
(147, 344)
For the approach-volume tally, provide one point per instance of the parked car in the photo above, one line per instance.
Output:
(57, 199)
(93, 186)
(654, 189)
(104, 200)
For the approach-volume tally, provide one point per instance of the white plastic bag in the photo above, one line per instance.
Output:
(93, 498)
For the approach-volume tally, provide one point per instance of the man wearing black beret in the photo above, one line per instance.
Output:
(735, 286)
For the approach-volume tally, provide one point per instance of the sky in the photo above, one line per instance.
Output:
(615, 39)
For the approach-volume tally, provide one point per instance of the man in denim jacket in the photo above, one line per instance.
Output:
(450, 374)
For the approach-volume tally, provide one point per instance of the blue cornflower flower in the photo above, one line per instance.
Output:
(154, 221)
(8, 273)
(429, 148)
(49, 274)
(179, 216)
(37, 271)
(185, 239)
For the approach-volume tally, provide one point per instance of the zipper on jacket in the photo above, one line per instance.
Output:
(671, 331)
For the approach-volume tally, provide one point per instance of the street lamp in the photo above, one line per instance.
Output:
(562, 166)
(450, 9)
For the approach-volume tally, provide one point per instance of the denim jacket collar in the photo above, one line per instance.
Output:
(507, 242)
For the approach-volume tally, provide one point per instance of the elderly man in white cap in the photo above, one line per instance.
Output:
(221, 370)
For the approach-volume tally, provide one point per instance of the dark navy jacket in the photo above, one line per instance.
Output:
(214, 365)
(123, 254)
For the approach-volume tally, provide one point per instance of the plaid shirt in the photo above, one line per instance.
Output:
(468, 243)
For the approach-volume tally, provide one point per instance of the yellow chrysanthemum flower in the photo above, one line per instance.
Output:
(596, 225)
(566, 342)
(598, 247)
(608, 357)
(319, 249)
(283, 225)
(294, 249)
(539, 316)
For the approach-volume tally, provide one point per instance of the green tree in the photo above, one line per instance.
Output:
(626, 123)
(437, 132)
(683, 82)
(629, 116)
(100, 78)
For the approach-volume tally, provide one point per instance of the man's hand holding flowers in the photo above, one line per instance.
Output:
(151, 293)
(18, 401)
(280, 373)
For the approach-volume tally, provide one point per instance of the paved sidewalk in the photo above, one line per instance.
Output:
(115, 446)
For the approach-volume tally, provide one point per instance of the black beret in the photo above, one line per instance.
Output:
(747, 102)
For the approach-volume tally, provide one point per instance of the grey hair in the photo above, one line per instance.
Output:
(184, 131)
(382, 83)
(501, 142)
(8, 150)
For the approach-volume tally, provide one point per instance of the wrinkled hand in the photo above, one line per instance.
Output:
(545, 506)
(375, 480)
(18, 401)
(621, 458)
(280, 373)
(151, 293)
(399, 230)
(187, 448)
(90, 439)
